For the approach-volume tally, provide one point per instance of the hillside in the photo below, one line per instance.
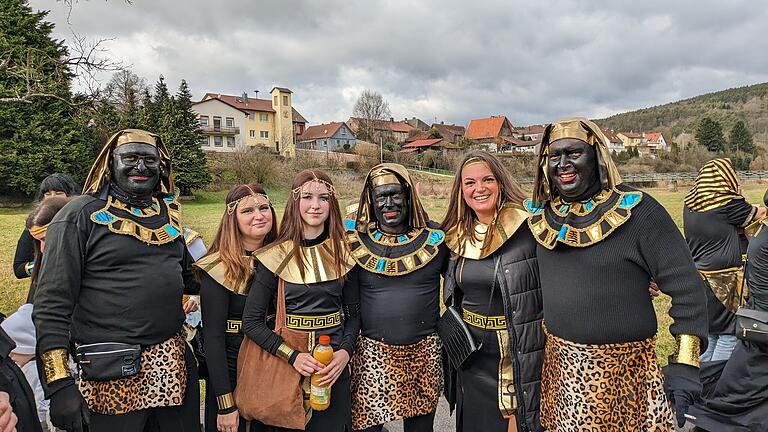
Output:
(748, 103)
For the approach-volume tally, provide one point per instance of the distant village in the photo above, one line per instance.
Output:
(230, 123)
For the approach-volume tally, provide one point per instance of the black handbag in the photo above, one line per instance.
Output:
(108, 360)
(751, 324)
(454, 333)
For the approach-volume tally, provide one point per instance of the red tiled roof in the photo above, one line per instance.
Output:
(530, 130)
(238, 102)
(320, 131)
(409, 150)
(611, 135)
(632, 135)
(394, 126)
(486, 127)
(423, 143)
(653, 136)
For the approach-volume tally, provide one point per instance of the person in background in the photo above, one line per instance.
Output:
(17, 403)
(312, 259)
(55, 185)
(248, 223)
(714, 213)
(493, 281)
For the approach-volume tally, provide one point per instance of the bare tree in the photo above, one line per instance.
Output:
(370, 108)
(124, 90)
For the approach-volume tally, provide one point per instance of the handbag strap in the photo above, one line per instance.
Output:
(280, 315)
(497, 261)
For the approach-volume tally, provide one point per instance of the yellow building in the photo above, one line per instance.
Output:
(270, 123)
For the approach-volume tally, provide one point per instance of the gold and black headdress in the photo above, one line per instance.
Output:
(101, 172)
(582, 129)
(383, 174)
(716, 185)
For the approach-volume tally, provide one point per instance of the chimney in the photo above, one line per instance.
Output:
(245, 98)
(391, 119)
(257, 94)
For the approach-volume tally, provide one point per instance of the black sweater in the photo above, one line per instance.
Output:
(25, 253)
(599, 294)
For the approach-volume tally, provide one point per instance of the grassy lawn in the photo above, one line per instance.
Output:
(204, 213)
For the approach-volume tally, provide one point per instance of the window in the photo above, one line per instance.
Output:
(264, 134)
(217, 122)
(285, 100)
(343, 131)
(230, 141)
(251, 116)
(252, 133)
(203, 120)
(230, 122)
(217, 141)
(338, 142)
(325, 143)
(274, 100)
(264, 117)
(204, 141)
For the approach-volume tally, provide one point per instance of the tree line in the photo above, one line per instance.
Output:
(739, 146)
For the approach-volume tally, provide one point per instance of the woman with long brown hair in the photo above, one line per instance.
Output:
(311, 258)
(248, 223)
(493, 281)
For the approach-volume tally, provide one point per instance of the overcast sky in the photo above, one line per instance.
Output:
(450, 60)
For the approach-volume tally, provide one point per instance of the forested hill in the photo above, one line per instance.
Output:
(748, 103)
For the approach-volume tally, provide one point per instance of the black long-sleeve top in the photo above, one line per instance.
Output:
(599, 294)
(25, 254)
(402, 309)
(99, 286)
(306, 299)
(713, 236)
(757, 270)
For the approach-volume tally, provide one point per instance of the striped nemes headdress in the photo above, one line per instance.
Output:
(715, 186)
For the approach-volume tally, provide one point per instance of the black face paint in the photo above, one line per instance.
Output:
(136, 169)
(572, 168)
(391, 208)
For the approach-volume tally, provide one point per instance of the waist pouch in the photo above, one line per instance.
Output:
(108, 360)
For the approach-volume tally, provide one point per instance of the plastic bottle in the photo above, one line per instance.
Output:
(320, 396)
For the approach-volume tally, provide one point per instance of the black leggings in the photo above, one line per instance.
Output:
(422, 423)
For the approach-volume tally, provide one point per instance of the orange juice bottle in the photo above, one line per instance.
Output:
(320, 396)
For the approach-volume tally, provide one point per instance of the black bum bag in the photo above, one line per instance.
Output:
(108, 360)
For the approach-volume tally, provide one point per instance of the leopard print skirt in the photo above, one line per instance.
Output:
(603, 388)
(161, 382)
(392, 382)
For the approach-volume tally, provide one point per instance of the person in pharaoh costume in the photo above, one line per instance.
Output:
(109, 290)
(600, 243)
(396, 370)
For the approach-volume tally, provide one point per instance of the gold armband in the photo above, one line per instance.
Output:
(225, 401)
(55, 365)
(285, 351)
(688, 350)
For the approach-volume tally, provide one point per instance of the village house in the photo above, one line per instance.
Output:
(334, 136)
(231, 122)
(615, 144)
(646, 143)
(386, 130)
(493, 133)
(450, 133)
(417, 124)
(437, 144)
(530, 133)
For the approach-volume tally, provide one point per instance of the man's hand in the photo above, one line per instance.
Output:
(190, 305)
(334, 368)
(683, 388)
(8, 419)
(68, 410)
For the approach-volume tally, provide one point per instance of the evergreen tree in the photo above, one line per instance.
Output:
(741, 139)
(148, 118)
(710, 135)
(180, 132)
(39, 135)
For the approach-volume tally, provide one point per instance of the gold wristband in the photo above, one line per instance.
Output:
(688, 350)
(55, 365)
(285, 351)
(225, 401)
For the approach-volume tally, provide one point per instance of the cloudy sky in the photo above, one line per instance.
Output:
(450, 60)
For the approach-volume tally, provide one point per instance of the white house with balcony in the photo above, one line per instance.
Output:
(221, 125)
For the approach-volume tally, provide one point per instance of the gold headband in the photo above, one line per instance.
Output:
(37, 231)
(231, 206)
(472, 161)
(136, 136)
(382, 177)
(297, 191)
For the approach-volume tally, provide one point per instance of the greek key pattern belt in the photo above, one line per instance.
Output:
(313, 322)
(497, 322)
(234, 326)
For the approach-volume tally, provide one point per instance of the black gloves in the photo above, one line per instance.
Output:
(682, 387)
(68, 409)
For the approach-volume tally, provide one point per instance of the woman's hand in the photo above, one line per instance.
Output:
(228, 422)
(334, 368)
(306, 365)
(190, 305)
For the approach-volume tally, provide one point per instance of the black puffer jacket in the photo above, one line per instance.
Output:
(521, 291)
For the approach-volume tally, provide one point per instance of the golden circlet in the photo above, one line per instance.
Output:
(258, 198)
(297, 191)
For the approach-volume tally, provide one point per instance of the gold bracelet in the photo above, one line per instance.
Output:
(688, 350)
(285, 351)
(225, 401)
(55, 365)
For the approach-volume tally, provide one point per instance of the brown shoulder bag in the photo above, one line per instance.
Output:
(268, 387)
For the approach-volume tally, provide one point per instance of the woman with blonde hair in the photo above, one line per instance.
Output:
(248, 223)
(493, 282)
(311, 259)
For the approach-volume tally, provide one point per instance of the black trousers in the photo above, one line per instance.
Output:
(422, 423)
(182, 418)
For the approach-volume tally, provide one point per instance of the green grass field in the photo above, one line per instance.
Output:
(204, 213)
